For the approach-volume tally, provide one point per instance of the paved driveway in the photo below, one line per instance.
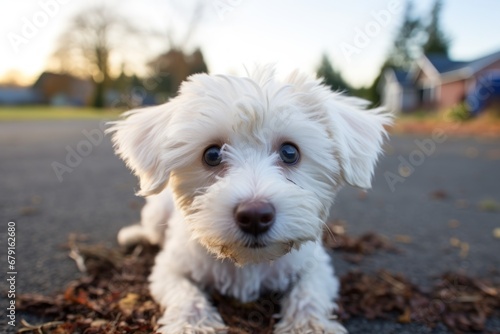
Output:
(95, 197)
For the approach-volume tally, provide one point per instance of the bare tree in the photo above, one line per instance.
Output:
(100, 33)
(86, 46)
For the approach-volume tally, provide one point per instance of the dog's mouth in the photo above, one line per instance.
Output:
(254, 251)
(256, 245)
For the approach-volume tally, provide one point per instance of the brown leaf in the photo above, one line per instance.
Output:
(439, 194)
(128, 303)
(28, 211)
(404, 239)
(405, 318)
(496, 232)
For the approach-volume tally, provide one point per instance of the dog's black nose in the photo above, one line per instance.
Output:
(254, 217)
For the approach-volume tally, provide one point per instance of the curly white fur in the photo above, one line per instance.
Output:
(203, 247)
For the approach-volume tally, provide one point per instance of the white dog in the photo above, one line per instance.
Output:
(243, 171)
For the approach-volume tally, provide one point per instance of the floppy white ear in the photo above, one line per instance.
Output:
(138, 139)
(360, 134)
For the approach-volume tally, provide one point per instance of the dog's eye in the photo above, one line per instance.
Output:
(289, 153)
(212, 156)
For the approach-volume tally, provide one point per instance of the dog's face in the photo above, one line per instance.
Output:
(254, 164)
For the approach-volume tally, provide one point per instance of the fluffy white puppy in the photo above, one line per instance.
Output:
(241, 174)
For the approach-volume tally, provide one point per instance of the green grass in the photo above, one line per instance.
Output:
(47, 112)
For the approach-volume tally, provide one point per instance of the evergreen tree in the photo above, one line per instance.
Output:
(413, 39)
(436, 41)
(331, 77)
(408, 41)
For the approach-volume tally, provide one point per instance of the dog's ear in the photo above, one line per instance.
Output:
(359, 134)
(138, 139)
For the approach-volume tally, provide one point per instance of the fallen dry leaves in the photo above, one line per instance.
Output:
(486, 125)
(113, 297)
(462, 303)
(335, 237)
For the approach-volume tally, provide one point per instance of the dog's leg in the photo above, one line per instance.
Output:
(187, 309)
(308, 307)
(154, 217)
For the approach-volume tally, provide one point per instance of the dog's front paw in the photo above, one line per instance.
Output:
(135, 234)
(192, 329)
(131, 235)
(206, 322)
(310, 326)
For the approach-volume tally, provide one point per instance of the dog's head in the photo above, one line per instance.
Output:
(254, 163)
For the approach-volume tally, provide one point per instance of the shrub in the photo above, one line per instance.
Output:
(460, 112)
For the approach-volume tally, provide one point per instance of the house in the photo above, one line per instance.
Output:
(15, 95)
(50, 88)
(436, 82)
(397, 91)
(64, 89)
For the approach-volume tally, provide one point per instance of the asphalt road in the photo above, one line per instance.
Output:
(96, 198)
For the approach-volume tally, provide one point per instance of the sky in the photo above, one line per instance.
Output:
(238, 34)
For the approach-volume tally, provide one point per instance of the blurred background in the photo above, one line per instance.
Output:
(67, 66)
(411, 56)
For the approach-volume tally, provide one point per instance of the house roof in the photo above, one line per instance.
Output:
(444, 64)
(61, 78)
(51, 85)
(398, 75)
(460, 69)
(480, 63)
(439, 67)
(401, 76)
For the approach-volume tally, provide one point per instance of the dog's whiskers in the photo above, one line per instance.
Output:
(330, 232)
(292, 181)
